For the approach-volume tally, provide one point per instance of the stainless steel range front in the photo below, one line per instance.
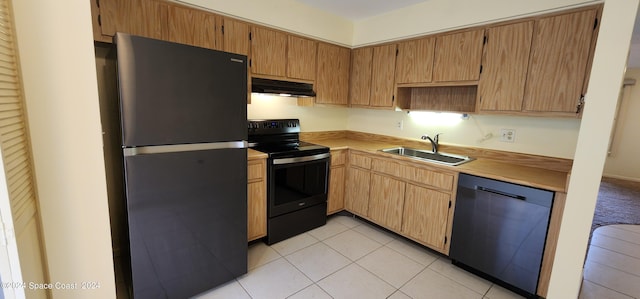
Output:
(297, 178)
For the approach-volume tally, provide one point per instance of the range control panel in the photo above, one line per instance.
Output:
(273, 126)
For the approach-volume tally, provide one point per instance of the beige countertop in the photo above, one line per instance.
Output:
(500, 170)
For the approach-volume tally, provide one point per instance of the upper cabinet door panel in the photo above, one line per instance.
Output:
(504, 67)
(235, 37)
(382, 75)
(559, 58)
(301, 58)
(268, 52)
(137, 17)
(458, 56)
(191, 26)
(360, 76)
(332, 80)
(415, 61)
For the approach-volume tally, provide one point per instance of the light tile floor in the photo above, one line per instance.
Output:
(612, 267)
(349, 258)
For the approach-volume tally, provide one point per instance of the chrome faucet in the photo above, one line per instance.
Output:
(434, 141)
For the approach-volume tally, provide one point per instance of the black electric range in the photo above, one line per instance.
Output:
(297, 177)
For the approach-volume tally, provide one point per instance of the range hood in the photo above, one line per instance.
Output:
(269, 86)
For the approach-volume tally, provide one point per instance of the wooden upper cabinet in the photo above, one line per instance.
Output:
(415, 61)
(137, 17)
(268, 52)
(235, 36)
(504, 67)
(382, 76)
(372, 76)
(558, 64)
(458, 56)
(192, 27)
(301, 58)
(360, 76)
(332, 79)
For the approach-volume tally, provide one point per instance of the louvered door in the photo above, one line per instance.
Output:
(17, 164)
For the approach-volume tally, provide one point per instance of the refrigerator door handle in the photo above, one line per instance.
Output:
(158, 149)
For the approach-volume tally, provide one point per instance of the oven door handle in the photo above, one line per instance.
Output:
(301, 159)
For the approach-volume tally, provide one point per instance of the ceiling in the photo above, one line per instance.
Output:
(355, 10)
(359, 9)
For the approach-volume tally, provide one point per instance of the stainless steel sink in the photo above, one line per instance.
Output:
(429, 156)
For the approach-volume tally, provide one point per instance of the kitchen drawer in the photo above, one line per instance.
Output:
(419, 175)
(338, 157)
(256, 170)
(359, 161)
(429, 177)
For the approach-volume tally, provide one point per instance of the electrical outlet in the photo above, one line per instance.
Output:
(507, 135)
(399, 125)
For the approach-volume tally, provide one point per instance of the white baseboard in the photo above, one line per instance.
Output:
(620, 177)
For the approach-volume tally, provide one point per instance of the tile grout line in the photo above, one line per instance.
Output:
(608, 288)
(600, 234)
(620, 270)
(612, 250)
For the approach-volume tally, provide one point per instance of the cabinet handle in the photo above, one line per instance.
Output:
(580, 104)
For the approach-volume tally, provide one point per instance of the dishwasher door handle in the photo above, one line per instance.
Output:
(481, 188)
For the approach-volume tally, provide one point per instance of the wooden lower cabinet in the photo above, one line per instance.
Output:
(337, 177)
(425, 216)
(357, 195)
(386, 201)
(411, 200)
(256, 199)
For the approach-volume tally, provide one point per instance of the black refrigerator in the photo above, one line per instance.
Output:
(183, 119)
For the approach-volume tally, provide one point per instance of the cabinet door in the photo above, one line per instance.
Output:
(558, 65)
(332, 80)
(301, 58)
(504, 67)
(191, 26)
(256, 199)
(458, 56)
(387, 199)
(357, 196)
(335, 201)
(137, 17)
(268, 52)
(257, 210)
(425, 215)
(415, 61)
(235, 36)
(360, 76)
(382, 76)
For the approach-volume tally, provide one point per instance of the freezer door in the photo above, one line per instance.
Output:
(172, 93)
(187, 214)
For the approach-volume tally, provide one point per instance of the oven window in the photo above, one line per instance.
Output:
(299, 181)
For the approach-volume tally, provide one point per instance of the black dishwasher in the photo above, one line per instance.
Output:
(499, 230)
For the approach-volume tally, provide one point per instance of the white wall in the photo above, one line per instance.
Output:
(555, 137)
(604, 86)
(623, 161)
(288, 15)
(55, 45)
(441, 15)
(311, 118)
